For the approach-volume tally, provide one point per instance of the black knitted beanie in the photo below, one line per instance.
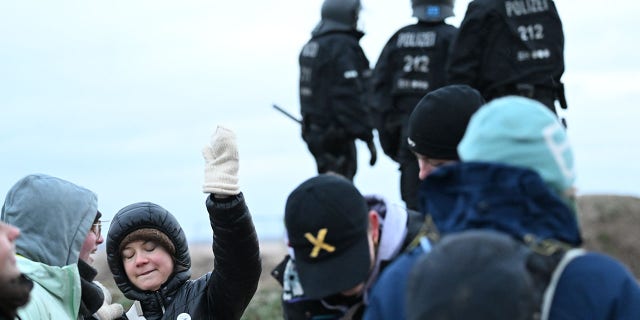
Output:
(440, 119)
(149, 234)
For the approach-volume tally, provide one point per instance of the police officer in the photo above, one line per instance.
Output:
(334, 74)
(411, 64)
(511, 47)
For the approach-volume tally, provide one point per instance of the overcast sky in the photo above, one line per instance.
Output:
(120, 96)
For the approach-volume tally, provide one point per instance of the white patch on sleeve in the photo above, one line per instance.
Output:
(350, 74)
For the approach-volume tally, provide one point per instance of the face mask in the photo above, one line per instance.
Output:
(340, 299)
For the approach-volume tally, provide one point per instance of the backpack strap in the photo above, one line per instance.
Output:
(352, 311)
(546, 247)
(418, 227)
(425, 244)
(555, 278)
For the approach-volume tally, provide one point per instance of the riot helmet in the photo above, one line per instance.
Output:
(338, 15)
(432, 10)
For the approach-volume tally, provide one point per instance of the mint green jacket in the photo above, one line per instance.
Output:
(57, 290)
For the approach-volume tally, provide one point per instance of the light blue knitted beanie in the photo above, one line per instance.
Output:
(521, 132)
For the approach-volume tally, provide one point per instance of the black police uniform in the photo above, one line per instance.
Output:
(333, 87)
(411, 65)
(513, 47)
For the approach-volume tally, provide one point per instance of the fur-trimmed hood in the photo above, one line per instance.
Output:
(147, 215)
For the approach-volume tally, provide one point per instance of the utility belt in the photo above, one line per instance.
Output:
(405, 104)
(524, 89)
(323, 131)
(532, 91)
(316, 122)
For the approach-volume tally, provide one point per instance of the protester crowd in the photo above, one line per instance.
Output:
(489, 226)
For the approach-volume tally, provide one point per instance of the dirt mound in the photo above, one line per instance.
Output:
(611, 224)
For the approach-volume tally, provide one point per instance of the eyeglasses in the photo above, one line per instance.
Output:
(97, 228)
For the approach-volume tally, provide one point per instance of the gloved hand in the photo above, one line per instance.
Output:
(221, 164)
(108, 311)
(374, 153)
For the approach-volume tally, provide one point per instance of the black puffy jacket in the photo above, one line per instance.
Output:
(223, 293)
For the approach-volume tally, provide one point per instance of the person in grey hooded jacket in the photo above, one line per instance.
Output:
(54, 217)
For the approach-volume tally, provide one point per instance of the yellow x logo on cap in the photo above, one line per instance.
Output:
(318, 243)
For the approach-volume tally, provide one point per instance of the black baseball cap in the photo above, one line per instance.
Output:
(327, 225)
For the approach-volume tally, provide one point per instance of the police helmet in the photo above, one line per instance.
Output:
(432, 10)
(342, 11)
(339, 15)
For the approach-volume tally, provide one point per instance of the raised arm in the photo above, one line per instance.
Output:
(237, 265)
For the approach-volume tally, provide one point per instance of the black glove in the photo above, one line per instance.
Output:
(562, 99)
(374, 153)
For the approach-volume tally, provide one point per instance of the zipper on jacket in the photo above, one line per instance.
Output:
(160, 300)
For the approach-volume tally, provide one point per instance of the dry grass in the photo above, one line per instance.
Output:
(610, 224)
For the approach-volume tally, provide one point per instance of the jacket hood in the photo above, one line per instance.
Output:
(515, 200)
(147, 215)
(54, 217)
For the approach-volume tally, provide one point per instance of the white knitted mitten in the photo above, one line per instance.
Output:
(108, 311)
(221, 163)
